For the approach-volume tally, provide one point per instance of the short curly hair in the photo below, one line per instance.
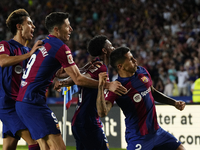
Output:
(96, 45)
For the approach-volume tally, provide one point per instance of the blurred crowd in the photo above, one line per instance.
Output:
(164, 36)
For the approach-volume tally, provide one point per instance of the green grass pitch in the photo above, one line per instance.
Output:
(68, 148)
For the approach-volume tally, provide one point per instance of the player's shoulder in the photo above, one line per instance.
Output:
(99, 66)
(4, 42)
(53, 41)
(3, 45)
(141, 69)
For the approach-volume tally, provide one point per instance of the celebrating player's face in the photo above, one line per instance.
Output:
(130, 63)
(27, 29)
(64, 31)
(109, 47)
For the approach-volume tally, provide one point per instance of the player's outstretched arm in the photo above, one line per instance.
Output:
(58, 83)
(84, 81)
(62, 79)
(103, 107)
(6, 60)
(162, 98)
(61, 74)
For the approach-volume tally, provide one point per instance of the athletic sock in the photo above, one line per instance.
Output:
(34, 147)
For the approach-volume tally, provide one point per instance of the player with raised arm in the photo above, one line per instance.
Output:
(142, 129)
(86, 124)
(31, 102)
(14, 56)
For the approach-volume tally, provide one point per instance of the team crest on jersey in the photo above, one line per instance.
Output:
(2, 48)
(137, 97)
(70, 59)
(67, 52)
(107, 145)
(145, 79)
(57, 126)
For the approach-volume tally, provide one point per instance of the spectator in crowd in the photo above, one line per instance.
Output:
(159, 85)
(172, 72)
(182, 81)
(195, 89)
(168, 89)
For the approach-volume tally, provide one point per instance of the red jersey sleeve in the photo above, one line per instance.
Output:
(64, 56)
(111, 97)
(4, 48)
(98, 68)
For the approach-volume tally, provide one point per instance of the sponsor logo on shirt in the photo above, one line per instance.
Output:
(145, 79)
(70, 59)
(137, 97)
(146, 92)
(2, 48)
(18, 69)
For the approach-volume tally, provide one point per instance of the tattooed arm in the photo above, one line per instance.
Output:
(103, 107)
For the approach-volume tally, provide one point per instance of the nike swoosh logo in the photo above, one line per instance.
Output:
(128, 90)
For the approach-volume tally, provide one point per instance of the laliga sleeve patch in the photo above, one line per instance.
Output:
(67, 52)
(70, 59)
(2, 48)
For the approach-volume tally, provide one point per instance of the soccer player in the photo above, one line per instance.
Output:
(142, 129)
(86, 124)
(14, 56)
(31, 101)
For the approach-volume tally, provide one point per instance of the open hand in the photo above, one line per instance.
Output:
(37, 45)
(57, 86)
(117, 88)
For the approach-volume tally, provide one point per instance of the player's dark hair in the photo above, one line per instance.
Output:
(16, 17)
(118, 56)
(55, 19)
(96, 45)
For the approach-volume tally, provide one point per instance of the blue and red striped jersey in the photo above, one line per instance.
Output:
(138, 104)
(10, 77)
(41, 69)
(86, 112)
